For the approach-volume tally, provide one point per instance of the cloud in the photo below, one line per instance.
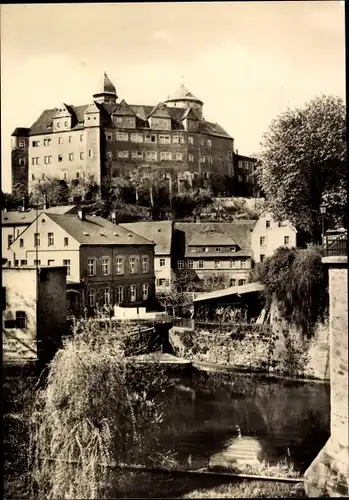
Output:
(164, 36)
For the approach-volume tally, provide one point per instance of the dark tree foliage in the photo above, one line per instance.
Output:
(303, 163)
(298, 281)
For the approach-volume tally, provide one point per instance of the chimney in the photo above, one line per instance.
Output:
(23, 204)
(81, 213)
(45, 202)
(113, 216)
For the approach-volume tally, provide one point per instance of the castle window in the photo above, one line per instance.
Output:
(35, 161)
(150, 138)
(209, 160)
(21, 144)
(47, 142)
(81, 137)
(267, 223)
(90, 153)
(43, 175)
(179, 156)
(47, 160)
(35, 144)
(202, 142)
(109, 137)
(81, 156)
(60, 140)
(164, 139)
(70, 138)
(240, 178)
(21, 161)
(175, 139)
(33, 177)
(77, 175)
(209, 143)
(151, 156)
(21, 319)
(191, 158)
(164, 155)
(128, 121)
(138, 155)
(136, 137)
(60, 158)
(66, 124)
(58, 124)
(202, 159)
(230, 155)
(190, 140)
(122, 136)
(122, 154)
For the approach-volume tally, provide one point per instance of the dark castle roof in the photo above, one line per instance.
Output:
(43, 125)
(20, 132)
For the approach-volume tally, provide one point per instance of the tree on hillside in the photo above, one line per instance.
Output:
(303, 163)
(51, 190)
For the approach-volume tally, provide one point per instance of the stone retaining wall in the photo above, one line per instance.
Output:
(274, 348)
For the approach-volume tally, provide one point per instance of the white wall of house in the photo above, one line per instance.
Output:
(268, 235)
(9, 231)
(20, 296)
(162, 267)
(53, 253)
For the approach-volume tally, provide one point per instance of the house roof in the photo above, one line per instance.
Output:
(232, 290)
(16, 218)
(218, 255)
(94, 230)
(238, 231)
(160, 232)
(43, 125)
(20, 132)
(212, 235)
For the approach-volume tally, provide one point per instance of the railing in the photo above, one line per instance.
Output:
(338, 246)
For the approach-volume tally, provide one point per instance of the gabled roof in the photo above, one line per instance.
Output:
(123, 109)
(212, 235)
(69, 109)
(14, 217)
(191, 114)
(43, 124)
(160, 232)
(160, 111)
(93, 108)
(94, 230)
(239, 231)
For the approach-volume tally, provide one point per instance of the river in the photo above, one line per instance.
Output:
(289, 420)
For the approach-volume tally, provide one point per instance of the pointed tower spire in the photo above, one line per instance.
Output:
(106, 91)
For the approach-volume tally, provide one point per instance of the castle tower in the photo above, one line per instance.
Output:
(183, 98)
(106, 91)
(19, 158)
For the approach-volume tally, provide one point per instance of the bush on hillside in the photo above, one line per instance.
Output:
(298, 281)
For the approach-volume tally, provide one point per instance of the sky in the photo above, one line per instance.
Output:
(248, 61)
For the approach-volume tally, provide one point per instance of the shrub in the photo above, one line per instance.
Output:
(298, 281)
(94, 411)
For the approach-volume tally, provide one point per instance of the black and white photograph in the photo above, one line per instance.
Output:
(174, 250)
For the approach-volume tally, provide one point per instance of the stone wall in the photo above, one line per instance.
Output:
(275, 348)
(328, 475)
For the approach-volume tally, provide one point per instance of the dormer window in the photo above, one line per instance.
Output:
(218, 249)
(232, 249)
(58, 124)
